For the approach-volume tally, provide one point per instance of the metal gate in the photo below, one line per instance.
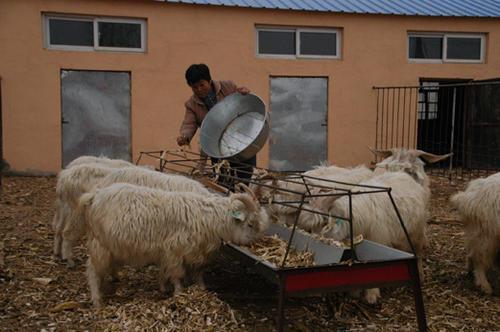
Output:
(298, 121)
(95, 114)
(463, 118)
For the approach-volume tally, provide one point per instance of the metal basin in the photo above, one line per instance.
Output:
(235, 128)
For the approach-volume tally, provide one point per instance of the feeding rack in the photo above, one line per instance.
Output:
(336, 268)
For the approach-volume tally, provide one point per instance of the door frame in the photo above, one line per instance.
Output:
(61, 105)
(327, 118)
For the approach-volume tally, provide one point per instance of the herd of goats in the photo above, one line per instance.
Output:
(134, 215)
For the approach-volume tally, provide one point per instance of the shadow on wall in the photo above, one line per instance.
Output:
(4, 165)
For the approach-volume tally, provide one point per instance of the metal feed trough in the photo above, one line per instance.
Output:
(358, 266)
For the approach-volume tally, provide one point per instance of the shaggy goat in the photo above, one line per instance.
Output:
(71, 184)
(374, 216)
(139, 226)
(153, 179)
(313, 222)
(73, 228)
(408, 161)
(479, 208)
(319, 177)
(104, 161)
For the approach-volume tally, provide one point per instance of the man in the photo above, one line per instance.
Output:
(207, 93)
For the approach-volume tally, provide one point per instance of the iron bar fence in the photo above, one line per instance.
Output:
(442, 117)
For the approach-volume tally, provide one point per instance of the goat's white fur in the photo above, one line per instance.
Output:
(74, 228)
(479, 209)
(138, 226)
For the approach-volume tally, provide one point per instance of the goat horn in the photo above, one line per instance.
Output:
(432, 158)
(381, 153)
(247, 190)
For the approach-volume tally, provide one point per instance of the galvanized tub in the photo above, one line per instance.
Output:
(236, 128)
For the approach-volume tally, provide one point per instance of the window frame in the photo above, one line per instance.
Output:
(95, 20)
(481, 37)
(423, 35)
(267, 55)
(445, 36)
(424, 112)
(297, 31)
(297, 43)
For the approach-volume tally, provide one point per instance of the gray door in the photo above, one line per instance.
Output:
(95, 114)
(298, 123)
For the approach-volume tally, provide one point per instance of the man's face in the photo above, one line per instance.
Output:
(201, 88)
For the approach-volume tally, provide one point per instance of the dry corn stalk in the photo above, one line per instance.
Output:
(273, 248)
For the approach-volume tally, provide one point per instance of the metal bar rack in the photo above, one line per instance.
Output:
(376, 266)
(336, 268)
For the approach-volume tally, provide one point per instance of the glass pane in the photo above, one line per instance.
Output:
(112, 34)
(426, 48)
(463, 48)
(277, 42)
(70, 32)
(318, 43)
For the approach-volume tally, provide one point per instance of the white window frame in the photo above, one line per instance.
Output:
(297, 54)
(95, 21)
(445, 36)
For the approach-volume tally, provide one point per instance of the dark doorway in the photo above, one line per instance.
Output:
(441, 110)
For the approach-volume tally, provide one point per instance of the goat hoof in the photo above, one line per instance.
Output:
(372, 296)
(486, 289)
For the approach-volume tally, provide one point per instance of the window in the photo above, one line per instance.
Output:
(426, 48)
(88, 34)
(428, 101)
(279, 42)
(298, 43)
(446, 47)
(463, 48)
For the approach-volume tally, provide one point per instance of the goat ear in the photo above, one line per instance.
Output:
(238, 215)
(431, 158)
(381, 153)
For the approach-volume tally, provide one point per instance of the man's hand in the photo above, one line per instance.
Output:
(182, 140)
(243, 90)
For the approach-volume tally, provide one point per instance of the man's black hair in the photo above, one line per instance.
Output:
(196, 73)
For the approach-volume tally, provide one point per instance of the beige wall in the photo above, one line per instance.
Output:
(374, 51)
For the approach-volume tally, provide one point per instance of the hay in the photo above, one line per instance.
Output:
(273, 249)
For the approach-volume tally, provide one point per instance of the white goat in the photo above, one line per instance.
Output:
(153, 179)
(114, 163)
(479, 208)
(71, 184)
(138, 226)
(324, 175)
(374, 216)
(74, 228)
(313, 222)
(407, 160)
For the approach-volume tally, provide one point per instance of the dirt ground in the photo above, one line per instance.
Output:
(39, 293)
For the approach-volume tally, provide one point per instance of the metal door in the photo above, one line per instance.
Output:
(95, 114)
(298, 122)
